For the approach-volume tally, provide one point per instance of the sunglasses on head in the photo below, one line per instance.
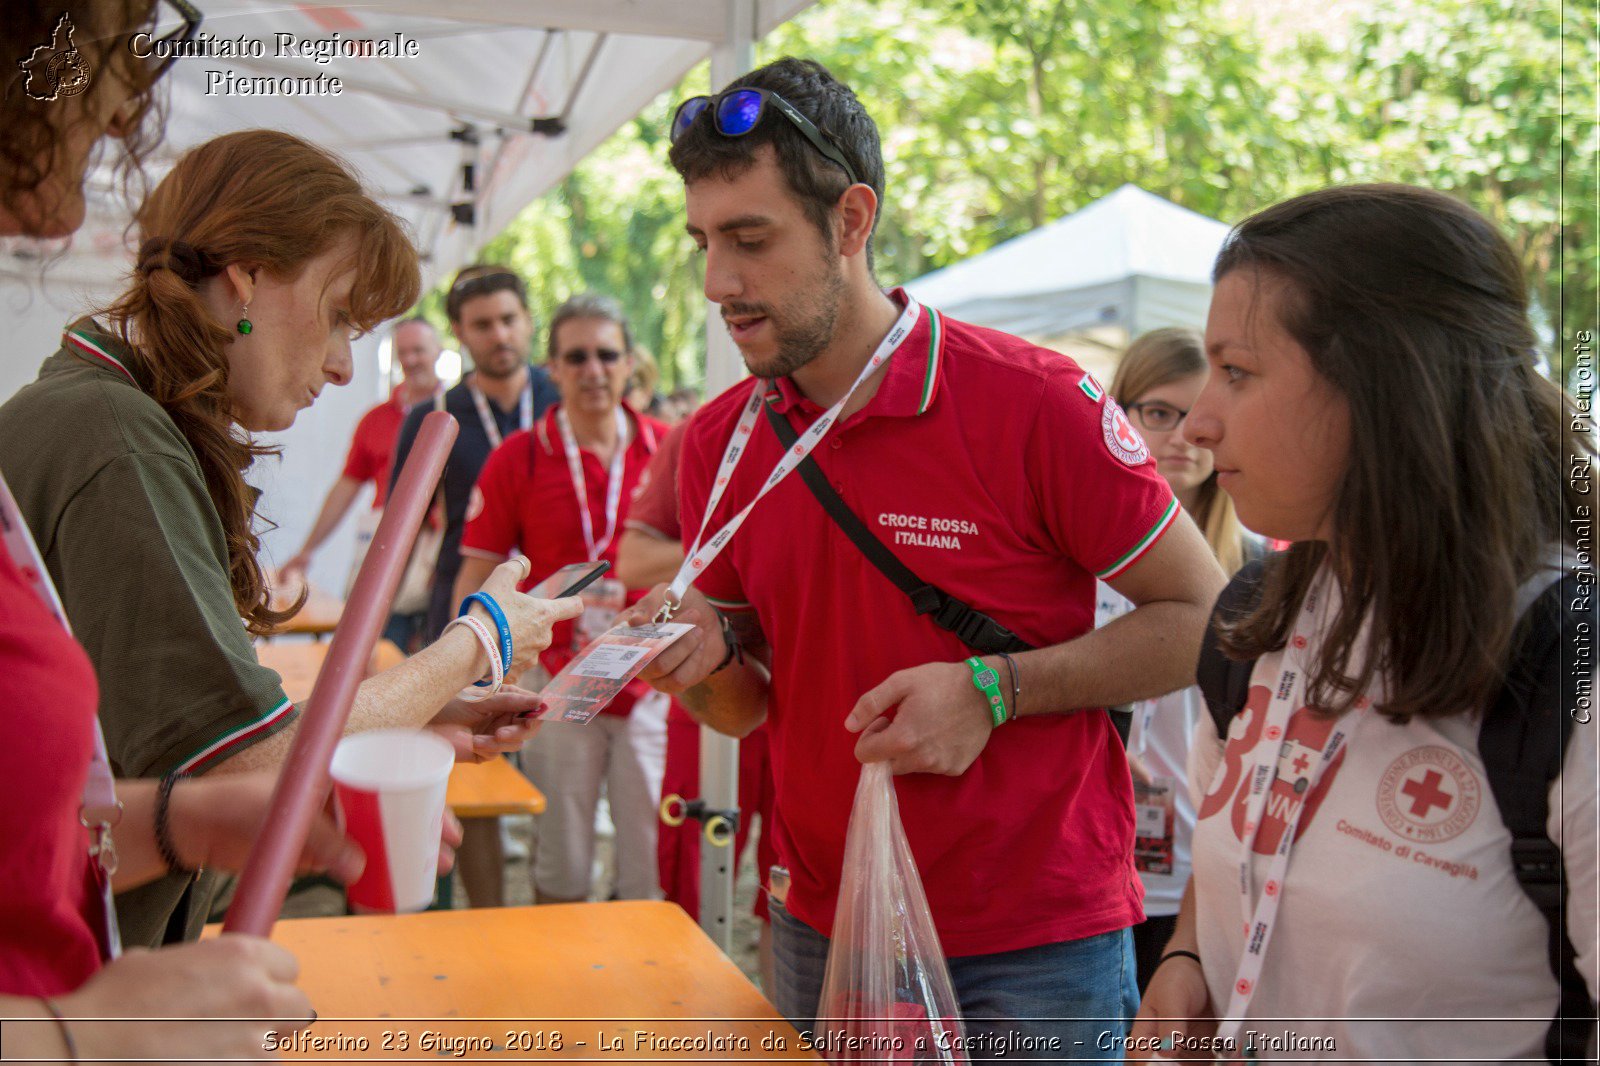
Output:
(173, 28)
(735, 112)
(580, 356)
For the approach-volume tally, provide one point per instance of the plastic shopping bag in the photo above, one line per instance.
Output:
(887, 995)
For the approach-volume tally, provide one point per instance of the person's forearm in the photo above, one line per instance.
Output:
(1185, 937)
(338, 501)
(645, 560)
(404, 697)
(732, 701)
(34, 1034)
(139, 861)
(1148, 652)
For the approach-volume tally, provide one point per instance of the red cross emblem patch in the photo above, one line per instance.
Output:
(1122, 440)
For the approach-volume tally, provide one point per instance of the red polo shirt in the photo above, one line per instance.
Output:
(991, 468)
(530, 505)
(372, 448)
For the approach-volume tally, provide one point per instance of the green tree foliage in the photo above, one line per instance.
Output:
(998, 117)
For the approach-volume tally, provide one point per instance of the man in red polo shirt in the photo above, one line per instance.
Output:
(416, 350)
(997, 471)
(589, 447)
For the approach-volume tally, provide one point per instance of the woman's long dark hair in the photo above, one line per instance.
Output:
(1414, 308)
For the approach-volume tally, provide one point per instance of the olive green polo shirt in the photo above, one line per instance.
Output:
(116, 499)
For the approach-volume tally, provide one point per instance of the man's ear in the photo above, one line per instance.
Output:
(856, 211)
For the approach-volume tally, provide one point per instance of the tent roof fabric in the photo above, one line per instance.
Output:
(483, 69)
(1130, 233)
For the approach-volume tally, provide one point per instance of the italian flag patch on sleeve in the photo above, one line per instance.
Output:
(1091, 388)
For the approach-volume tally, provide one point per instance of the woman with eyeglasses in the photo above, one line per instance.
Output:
(148, 415)
(1157, 382)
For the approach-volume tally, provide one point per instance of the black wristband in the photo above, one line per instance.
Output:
(1179, 954)
(169, 854)
(1016, 685)
(61, 1024)
(735, 649)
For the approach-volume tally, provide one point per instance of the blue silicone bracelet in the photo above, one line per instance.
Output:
(500, 624)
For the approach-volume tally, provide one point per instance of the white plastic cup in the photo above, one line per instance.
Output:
(389, 790)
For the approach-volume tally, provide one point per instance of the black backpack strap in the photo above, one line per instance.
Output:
(1225, 682)
(1523, 742)
(976, 629)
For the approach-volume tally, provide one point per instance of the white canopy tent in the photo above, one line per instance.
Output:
(1127, 263)
(501, 99)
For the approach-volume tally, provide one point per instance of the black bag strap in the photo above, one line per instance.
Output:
(976, 629)
(1522, 742)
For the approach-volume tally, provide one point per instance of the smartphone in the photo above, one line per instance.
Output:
(580, 577)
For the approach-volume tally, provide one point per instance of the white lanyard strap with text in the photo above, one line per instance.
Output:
(580, 486)
(1261, 918)
(703, 551)
(491, 427)
(100, 809)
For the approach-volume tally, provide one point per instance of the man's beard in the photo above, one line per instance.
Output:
(492, 368)
(804, 332)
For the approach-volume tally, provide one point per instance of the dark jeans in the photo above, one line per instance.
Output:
(1081, 993)
(406, 631)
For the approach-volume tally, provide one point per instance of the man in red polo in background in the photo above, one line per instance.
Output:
(995, 470)
(559, 493)
(416, 350)
(650, 553)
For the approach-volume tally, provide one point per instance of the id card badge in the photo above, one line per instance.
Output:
(600, 671)
(602, 602)
(1155, 818)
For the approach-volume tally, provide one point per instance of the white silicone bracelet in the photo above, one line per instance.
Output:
(491, 649)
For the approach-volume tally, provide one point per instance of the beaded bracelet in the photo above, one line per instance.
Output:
(164, 845)
(481, 690)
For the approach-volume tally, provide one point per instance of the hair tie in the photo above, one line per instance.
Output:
(180, 257)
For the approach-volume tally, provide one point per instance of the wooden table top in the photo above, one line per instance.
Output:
(319, 616)
(491, 788)
(601, 982)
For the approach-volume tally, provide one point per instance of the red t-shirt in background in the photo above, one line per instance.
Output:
(372, 447)
(655, 501)
(1002, 473)
(529, 505)
(49, 902)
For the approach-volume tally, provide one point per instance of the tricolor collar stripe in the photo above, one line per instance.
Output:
(226, 743)
(89, 346)
(1137, 551)
(935, 340)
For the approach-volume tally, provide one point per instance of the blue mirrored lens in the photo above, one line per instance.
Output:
(688, 111)
(738, 112)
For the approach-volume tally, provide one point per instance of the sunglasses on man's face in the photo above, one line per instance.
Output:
(735, 112)
(580, 356)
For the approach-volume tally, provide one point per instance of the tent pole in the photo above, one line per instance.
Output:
(719, 755)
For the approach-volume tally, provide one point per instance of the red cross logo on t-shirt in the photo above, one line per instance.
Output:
(1426, 794)
(1125, 434)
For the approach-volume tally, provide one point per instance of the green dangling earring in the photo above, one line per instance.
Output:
(243, 325)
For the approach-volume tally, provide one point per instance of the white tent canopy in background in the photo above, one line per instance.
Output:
(1131, 260)
(520, 89)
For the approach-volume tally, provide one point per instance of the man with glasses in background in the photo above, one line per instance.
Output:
(998, 475)
(560, 494)
(488, 311)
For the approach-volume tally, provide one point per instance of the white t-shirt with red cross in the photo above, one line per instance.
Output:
(1400, 901)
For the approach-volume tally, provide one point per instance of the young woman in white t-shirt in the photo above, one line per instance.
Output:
(1374, 399)
(1157, 381)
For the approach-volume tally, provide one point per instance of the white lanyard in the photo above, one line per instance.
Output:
(703, 551)
(491, 428)
(580, 486)
(1260, 919)
(99, 810)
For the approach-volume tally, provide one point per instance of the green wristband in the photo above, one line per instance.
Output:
(986, 681)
